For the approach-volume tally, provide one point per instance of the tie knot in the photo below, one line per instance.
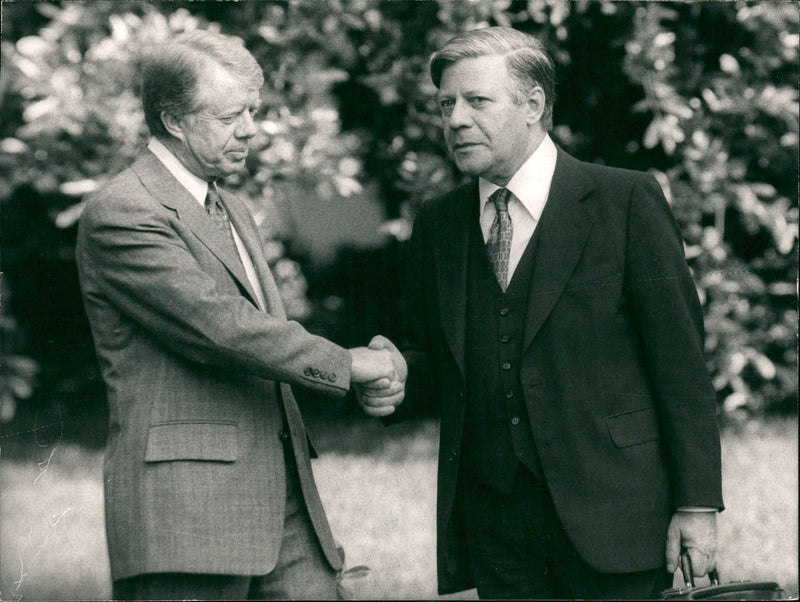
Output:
(500, 199)
(212, 197)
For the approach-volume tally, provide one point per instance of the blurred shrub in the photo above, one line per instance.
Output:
(17, 372)
(720, 85)
(703, 94)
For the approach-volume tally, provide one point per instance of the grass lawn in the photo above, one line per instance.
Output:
(381, 507)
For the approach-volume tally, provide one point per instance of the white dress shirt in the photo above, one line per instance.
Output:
(198, 188)
(529, 188)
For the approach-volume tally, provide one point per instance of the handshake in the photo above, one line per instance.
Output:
(378, 375)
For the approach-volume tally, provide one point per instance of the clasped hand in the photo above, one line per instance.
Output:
(378, 375)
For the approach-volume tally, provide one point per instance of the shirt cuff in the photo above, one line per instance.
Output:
(696, 509)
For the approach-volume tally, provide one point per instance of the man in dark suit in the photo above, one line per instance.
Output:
(554, 321)
(209, 492)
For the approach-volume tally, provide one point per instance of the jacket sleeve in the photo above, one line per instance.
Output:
(669, 322)
(421, 396)
(131, 256)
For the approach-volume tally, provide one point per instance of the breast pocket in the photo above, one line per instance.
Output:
(209, 441)
(597, 276)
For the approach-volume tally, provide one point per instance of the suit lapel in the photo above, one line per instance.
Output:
(237, 212)
(450, 251)
(169, 192)
(563, 230)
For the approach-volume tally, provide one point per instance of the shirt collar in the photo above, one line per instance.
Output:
(531, 183)
(197, 187)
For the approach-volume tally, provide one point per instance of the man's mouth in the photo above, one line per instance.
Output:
(465, 145)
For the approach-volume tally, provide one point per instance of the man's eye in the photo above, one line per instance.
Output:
(478, 100)
(446, 106)
(228, 119)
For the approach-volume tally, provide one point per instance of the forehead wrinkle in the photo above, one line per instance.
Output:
(462, 75)
(470, 89)
(222, 104)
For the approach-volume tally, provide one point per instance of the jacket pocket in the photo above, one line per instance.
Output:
(633, 428)
(212, 441)
(597, 275)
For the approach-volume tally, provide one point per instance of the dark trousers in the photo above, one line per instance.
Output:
(301, 573)
(518, 549)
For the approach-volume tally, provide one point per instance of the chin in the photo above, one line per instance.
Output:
(471, 168)
(231, 169)
(472, 162)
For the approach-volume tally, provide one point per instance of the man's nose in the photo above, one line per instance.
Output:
(246, 127)
(459, 115)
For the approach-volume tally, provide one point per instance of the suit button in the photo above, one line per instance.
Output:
(504, 311)
(332, 378)
(515, 421)
(509, 394)
(506, 365)
(284, 436)
(323, 375)
(461, 394)
(453, 456)
(504, 338)
(315, 372)
(308, 371)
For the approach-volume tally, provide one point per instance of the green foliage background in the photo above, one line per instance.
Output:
(702, 94)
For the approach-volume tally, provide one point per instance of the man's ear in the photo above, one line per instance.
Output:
(172, 124)
(536, 103)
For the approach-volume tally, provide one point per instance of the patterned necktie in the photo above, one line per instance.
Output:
(218, 214)
(499, 243)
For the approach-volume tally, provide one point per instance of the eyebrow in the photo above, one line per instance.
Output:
(466, 93)
(231, 111)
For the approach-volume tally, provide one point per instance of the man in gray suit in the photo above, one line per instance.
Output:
(209, 491)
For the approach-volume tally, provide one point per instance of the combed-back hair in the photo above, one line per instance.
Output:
(528, 61)
(169, 73)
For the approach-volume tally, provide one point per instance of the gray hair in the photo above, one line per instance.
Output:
(169, 73)
(527, 59)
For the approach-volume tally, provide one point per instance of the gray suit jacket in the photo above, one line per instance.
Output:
(198, 382)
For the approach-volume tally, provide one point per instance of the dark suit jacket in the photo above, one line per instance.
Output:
(620, 403)
(196, 377)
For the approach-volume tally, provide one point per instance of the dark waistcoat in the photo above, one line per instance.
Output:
(497, 431)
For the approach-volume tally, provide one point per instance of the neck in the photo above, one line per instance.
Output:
(184, 156)
(537, 136)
